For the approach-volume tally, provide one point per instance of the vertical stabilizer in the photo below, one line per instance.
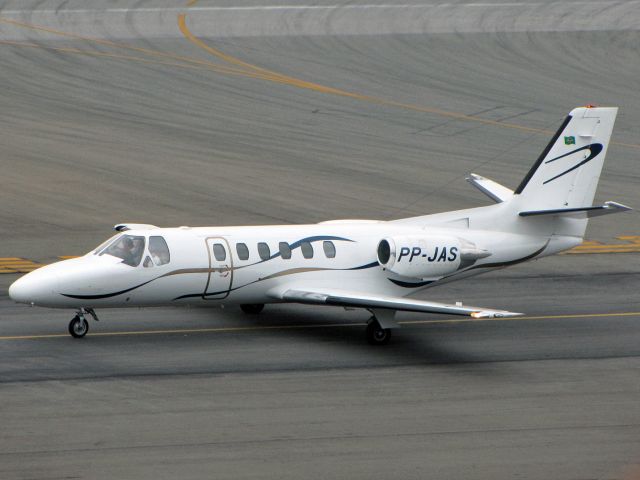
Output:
(567, 172)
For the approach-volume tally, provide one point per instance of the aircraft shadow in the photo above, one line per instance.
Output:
(424, 345)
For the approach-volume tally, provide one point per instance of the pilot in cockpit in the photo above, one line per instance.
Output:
(129, 250)
(125, 250)
(137, 249)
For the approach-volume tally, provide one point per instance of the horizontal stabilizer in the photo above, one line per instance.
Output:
(344, 298)
(491, 189)
(581, 212)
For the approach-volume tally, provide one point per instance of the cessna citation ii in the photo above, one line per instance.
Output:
(366, 264)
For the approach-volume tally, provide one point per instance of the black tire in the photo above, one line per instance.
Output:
(78, 327)
(376, 335)
(252, 308)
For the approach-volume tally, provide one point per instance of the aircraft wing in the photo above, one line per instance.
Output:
(346, 298)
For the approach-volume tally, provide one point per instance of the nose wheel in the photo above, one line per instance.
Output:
(78, 326)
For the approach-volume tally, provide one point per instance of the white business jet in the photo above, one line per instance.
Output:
(366, 264)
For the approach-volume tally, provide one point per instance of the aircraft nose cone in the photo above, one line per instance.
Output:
(35, 287)
(20, 290)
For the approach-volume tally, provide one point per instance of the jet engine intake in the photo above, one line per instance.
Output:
(427, 256)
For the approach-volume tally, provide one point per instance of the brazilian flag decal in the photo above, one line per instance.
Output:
(570, 140)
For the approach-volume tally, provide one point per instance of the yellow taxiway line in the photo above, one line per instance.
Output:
(272, 76)
(235, 66)
(632, 246)
(17, 265)
(253, 328)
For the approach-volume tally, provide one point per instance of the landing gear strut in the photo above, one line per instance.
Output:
(376, 335)
(252, 308)
(78, 326)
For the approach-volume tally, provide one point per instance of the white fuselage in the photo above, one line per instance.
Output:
(194, 275)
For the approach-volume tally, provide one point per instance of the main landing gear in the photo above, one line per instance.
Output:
(376, 335)
(252, 308)
(78, 326)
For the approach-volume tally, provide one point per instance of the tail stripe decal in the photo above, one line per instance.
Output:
(594, 150)
(542, 156)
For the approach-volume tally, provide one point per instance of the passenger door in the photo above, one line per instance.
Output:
(220, 269)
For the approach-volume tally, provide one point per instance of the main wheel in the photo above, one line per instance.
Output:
(376, 335)
(78, 327)
(252, 308)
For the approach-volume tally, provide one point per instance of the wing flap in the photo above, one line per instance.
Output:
(345, 298)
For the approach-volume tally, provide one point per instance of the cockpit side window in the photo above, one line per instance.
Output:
(128, 247)
(159, 250)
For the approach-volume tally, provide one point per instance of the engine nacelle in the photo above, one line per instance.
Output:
(427, 256)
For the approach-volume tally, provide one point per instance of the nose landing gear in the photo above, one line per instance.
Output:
(78, 326)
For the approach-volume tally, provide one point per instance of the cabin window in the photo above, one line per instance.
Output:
(307, 249)
(159, 250)
(285, 250)
(219, 252)
(243, 251)
(263, 251)
(329, 249)
(127, 247)
(148, 263)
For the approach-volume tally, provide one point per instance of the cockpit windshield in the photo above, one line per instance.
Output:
(100, 247)
(127, 247)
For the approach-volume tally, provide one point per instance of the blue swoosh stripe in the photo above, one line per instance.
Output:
(298, 243)
(594, 151)
(363, 267)
(410, 284)
(105, 295)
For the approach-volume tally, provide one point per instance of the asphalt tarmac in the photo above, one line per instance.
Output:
(289, 112)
